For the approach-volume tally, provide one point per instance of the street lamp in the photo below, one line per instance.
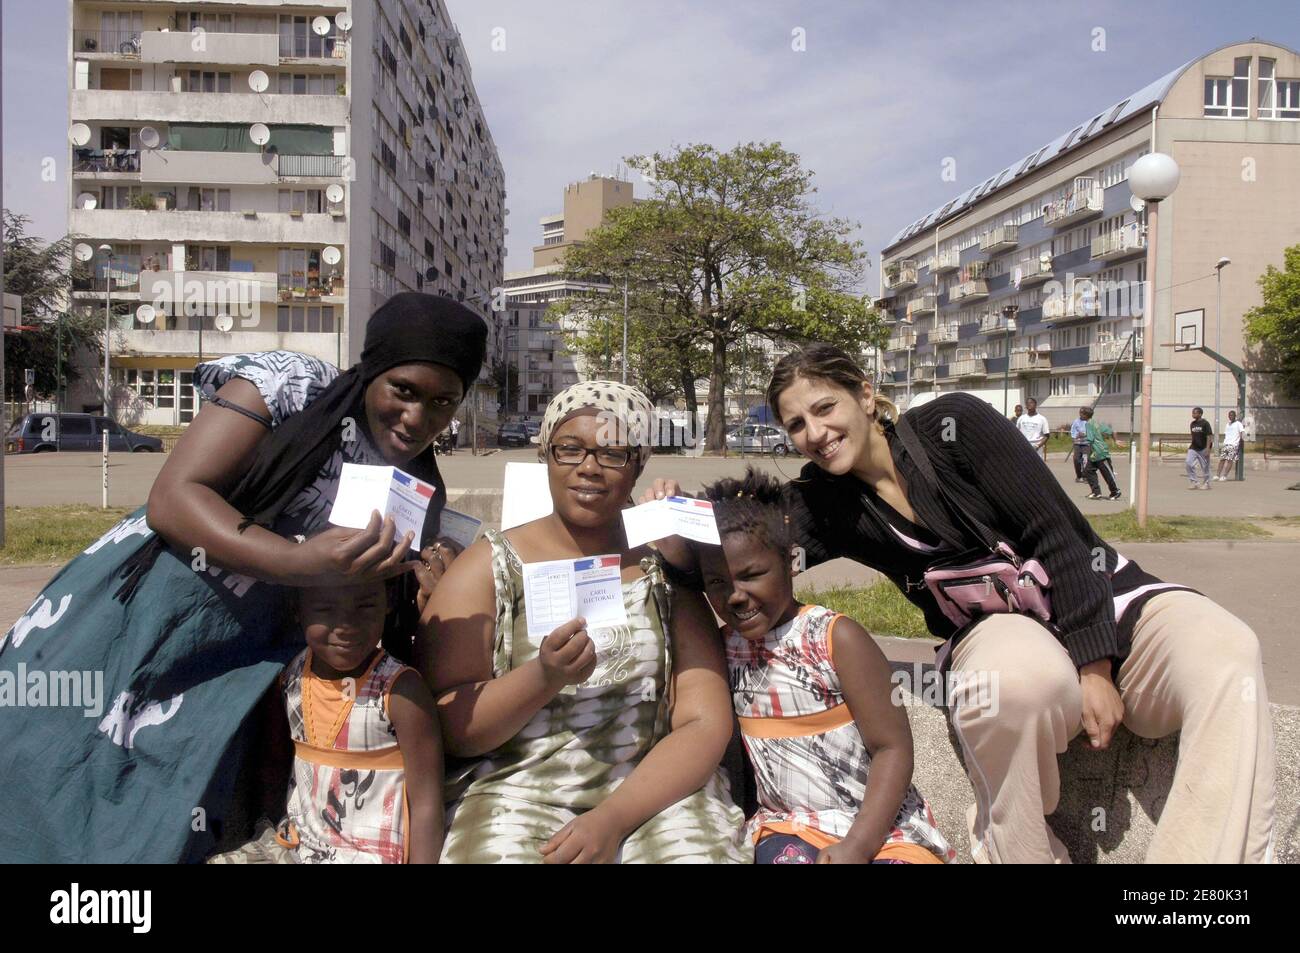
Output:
(1218, 333)
(1153, 179)
(1009, 320)
(108, 341)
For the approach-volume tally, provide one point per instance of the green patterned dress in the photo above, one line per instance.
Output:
(577, 749)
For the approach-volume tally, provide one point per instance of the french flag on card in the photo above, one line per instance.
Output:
(702, 504)
(596, 562)
(420, 487)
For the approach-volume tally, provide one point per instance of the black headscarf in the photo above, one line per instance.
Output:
(410, 327)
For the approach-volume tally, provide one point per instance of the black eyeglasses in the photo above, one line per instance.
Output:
(572, 455)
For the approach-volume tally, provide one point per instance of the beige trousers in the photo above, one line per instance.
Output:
(1194, 667)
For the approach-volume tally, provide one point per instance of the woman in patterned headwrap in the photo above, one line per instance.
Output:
(585, 745)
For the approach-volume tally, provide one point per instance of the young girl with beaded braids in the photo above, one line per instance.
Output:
(832, 755)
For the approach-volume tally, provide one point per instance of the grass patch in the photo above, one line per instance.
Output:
(54, 534)
(880, 609)
(1122, 527)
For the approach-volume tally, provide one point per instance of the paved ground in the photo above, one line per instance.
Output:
(48, 478)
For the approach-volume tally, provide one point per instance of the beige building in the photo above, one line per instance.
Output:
(531, 343)
(1055, 235)
(265, 174)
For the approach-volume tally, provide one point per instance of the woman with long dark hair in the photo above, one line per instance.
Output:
(950, 482)
(184, 610)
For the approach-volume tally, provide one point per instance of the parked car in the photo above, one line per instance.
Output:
(534, 427)
(40, 433)
(760, 438)
(512, 435)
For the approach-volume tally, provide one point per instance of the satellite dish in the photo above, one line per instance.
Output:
(145, 314)
(149, 137)
(343, 21)
(79, 133)
(258, 81)
(1136, 204)
(431, 274)
(259, 133)
(320, 26)
(83, 252)
(223, 322)
(334, 193)
(1045, 259)
(330, 255)
(87, 200)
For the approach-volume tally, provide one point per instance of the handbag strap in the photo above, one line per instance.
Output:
(914, 449)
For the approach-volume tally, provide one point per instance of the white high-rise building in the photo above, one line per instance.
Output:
(266, 174)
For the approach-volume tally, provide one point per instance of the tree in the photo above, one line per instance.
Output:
(41, 273)
(728, 246)
(1275, 324)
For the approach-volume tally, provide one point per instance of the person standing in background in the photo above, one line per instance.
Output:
(1198, 454)
(455, 434)
(1230, 449)
(1098, 456)
(1079, 444)
(1034, 427)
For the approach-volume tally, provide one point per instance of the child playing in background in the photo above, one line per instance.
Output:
(367, 772)
(831, 755)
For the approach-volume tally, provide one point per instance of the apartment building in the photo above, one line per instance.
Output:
(265, 174)
(533, 345)
(1057, 236)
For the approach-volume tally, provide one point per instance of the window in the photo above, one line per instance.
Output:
(309, 318)
(301, 200)
(1228, 98)
(207, 258)
(1278, 98)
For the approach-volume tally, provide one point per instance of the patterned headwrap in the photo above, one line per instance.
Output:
(629, 412)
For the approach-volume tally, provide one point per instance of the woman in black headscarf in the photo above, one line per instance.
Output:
(184, 608)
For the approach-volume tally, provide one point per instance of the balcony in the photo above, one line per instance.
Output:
(945, 262)
(1123, 242)
(1070, 307)
(120, 107)
(210, 48)
(106, 44)
(207, 168)
(322, 167)
(901, 341)
(1000, 239)
(973, 270)
(943, 334)
(900, 275)
(922, 306)
(105, 161)
(175, 227)
(1107, 352)
(967, 367)
(922, 372)
(1032, 271)
(1083, 200)
(968, 291)
(1026, 361)
(993, 323)
(177, 343)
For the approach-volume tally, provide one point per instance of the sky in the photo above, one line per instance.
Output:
(873, 96)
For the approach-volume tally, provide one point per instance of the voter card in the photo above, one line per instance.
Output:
(526, 494)
(560, 590)
(674, 516)
(461, 528)
(364, 489)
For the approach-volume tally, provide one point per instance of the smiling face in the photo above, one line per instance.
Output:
(343, 624)
(748, 583)
(587, 494)
(831, 426)
(408, 405)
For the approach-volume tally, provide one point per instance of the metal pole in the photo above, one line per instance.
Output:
(108, 341)
(1148, 359)
(58, 386)
(625, 329)
(1218, 343)
(1006, 370)
(1132, 433)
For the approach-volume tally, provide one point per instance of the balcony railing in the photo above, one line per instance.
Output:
(923, 305)
(922, 372)
(1120, 243)
(306, 166)
(105, 160)
(973, 270)
(943, 334)
(1085, 198)
(1031, 360)
(992, 323)
(1033, 271)
(1000, 239)
(123, 42)
(1105, 352)
(945, 262)
(1078, 304)
(900, 341)
(974, 290)
(900, 275)
(968, 367)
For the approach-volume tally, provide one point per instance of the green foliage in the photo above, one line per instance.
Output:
(1275, 324)
(40, 273)
(727, 248)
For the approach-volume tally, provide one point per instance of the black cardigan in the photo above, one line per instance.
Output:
(986, 464)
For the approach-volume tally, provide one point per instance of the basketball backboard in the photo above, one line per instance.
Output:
(1189, 330)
